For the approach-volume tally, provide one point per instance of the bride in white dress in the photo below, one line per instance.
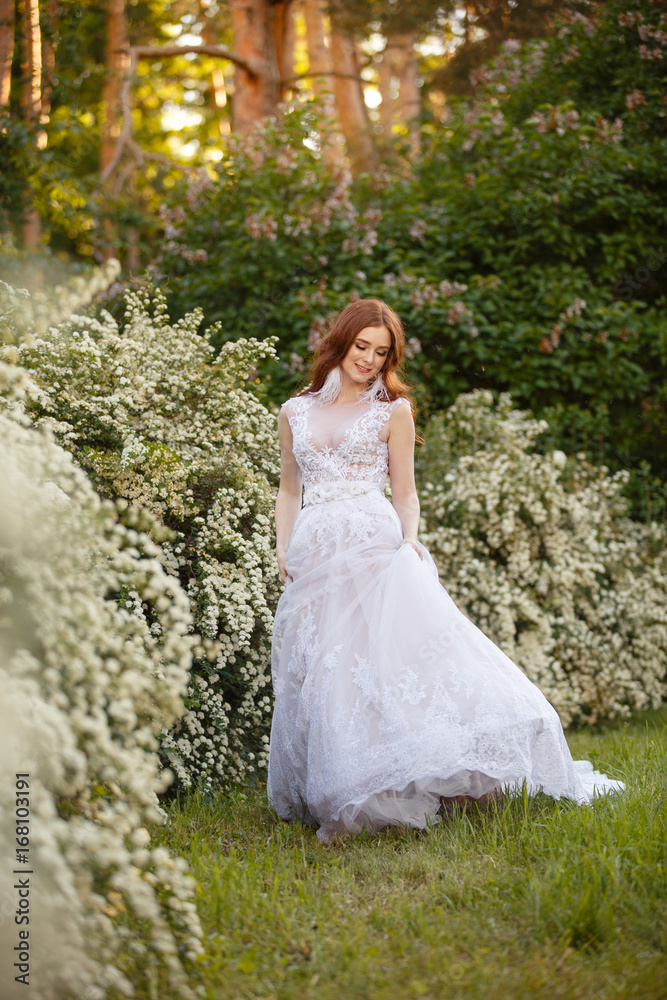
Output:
(388, 700)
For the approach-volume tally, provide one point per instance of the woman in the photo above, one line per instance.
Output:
(388, 700)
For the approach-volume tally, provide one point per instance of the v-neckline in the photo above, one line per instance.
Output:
(329, 449)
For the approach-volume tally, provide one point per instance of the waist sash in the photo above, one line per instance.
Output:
(341, 489)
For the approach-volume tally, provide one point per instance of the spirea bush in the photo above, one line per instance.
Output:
(94, 662)
(161, 422)
(539, 552)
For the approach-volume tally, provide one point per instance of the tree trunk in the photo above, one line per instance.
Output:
(319, 56)
(31, 103)
(385, 73)
(117, 67)
(132, 259)
(350, 104)
(284, 31)
(7, 16)
(49, 56)
(409, 97)
(255, 95)
(217, 92)
(319, 73)
(31, 99)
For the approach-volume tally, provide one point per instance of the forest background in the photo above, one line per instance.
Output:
(513, 212)
(494, 171)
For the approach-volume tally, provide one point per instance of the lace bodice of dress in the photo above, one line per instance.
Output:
(341, 449)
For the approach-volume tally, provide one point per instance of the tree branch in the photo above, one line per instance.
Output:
(144, 154)
(126, 111)
(316, 75)
(162, 51)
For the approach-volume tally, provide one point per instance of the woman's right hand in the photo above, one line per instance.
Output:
(284, 575)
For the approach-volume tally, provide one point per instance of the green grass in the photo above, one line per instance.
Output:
(532, 898)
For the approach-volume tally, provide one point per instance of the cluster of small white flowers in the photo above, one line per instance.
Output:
(539, 551)
(86, 686)
(158, 420)
(34, 313)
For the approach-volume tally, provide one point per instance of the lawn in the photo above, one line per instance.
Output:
(532, 898)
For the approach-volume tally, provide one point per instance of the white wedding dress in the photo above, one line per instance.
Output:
(386, 696)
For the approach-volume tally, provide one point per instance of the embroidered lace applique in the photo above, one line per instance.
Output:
(304, 646)
(358, 463)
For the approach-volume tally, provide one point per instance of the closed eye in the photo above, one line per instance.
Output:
(381, 353)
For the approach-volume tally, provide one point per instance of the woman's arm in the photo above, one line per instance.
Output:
(401, 444)
(288, 501)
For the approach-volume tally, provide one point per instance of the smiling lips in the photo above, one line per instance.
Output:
(364, 371)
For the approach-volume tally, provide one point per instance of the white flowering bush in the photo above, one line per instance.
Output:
(94, 662)
(539, 552)
(27, 313)
(158, 420)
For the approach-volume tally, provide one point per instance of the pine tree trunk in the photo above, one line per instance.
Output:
(117, 67)
(385, 73)
(319, 72)
(49, 56)
(31, 103)
(133, 258)
(7, 15)
(409, 96)
(319, 56)
(32, 61)
(217, 93)
(350, 104)
(255, 95)
(284, 31)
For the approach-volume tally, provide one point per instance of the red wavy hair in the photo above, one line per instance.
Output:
(354, 318)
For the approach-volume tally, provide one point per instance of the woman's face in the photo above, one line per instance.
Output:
(367, 354)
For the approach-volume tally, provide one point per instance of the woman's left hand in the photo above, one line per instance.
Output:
(413, 543)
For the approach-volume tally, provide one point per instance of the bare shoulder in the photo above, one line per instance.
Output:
(401, 411)
(289, 408)
(401, 422)
(284, 422)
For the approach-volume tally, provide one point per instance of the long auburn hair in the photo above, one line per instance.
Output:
(354, 318)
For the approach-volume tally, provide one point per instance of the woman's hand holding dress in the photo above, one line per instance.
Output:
(288, 501)
(401, 447)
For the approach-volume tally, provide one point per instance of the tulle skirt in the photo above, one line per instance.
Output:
(387, 698)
